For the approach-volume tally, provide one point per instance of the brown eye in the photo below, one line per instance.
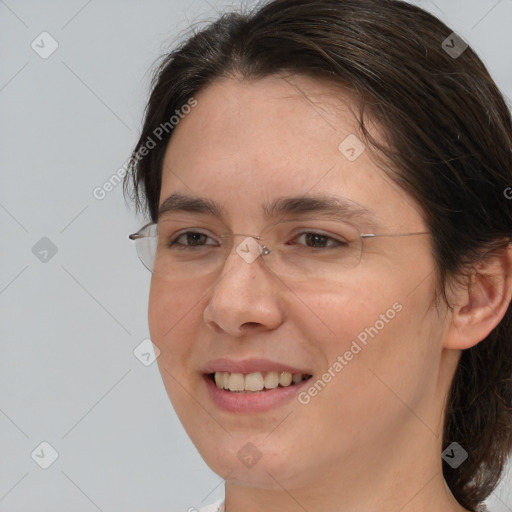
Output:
(195, 238)
(319, 240)
(190, 239)
(316, 240)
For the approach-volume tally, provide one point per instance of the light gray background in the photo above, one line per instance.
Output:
(69, 326)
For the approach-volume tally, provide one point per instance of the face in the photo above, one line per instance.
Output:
(367, 337)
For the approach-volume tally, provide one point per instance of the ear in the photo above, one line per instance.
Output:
(482, 302)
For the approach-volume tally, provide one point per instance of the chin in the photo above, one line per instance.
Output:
(257, 463)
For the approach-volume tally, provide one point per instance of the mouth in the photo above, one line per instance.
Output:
(253, 385)
(256, 382)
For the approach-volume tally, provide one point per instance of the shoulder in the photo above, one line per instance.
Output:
(218, 506)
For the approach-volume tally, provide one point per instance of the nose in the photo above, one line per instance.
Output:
(247, 296)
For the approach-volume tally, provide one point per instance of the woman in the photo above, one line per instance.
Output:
(330, 246)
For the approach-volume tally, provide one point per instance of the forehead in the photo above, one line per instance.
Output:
(235, 111)
(247, 142)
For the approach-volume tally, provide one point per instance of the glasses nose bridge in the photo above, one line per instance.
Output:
(249, 249)
(263, 249)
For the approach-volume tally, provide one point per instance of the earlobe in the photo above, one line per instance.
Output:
(482, 302)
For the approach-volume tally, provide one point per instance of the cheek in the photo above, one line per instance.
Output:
(160, 301)
(172, 317)
(350, 312)
(374, 325)
(172, 325)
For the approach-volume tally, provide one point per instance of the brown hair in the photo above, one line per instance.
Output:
(449, 145)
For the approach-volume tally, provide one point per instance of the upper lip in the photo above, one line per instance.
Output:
(249, 366)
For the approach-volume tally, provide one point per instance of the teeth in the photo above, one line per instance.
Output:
(285, 378)
(296, 378)
(256, 381)
(236, 382)
(271, 380)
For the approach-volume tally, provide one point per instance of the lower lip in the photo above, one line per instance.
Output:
(252, 402)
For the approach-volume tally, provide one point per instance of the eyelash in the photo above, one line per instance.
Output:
(174, 241)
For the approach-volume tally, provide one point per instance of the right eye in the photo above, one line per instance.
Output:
(189, 239)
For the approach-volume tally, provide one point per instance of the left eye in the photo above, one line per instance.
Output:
(319, 240)
(191, 239)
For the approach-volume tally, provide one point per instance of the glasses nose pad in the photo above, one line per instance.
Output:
(250, 249)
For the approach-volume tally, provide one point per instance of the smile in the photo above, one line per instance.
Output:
(256, 381)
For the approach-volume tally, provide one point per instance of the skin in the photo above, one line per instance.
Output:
(371, 440)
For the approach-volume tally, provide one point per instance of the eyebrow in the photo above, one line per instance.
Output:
(333, 207)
